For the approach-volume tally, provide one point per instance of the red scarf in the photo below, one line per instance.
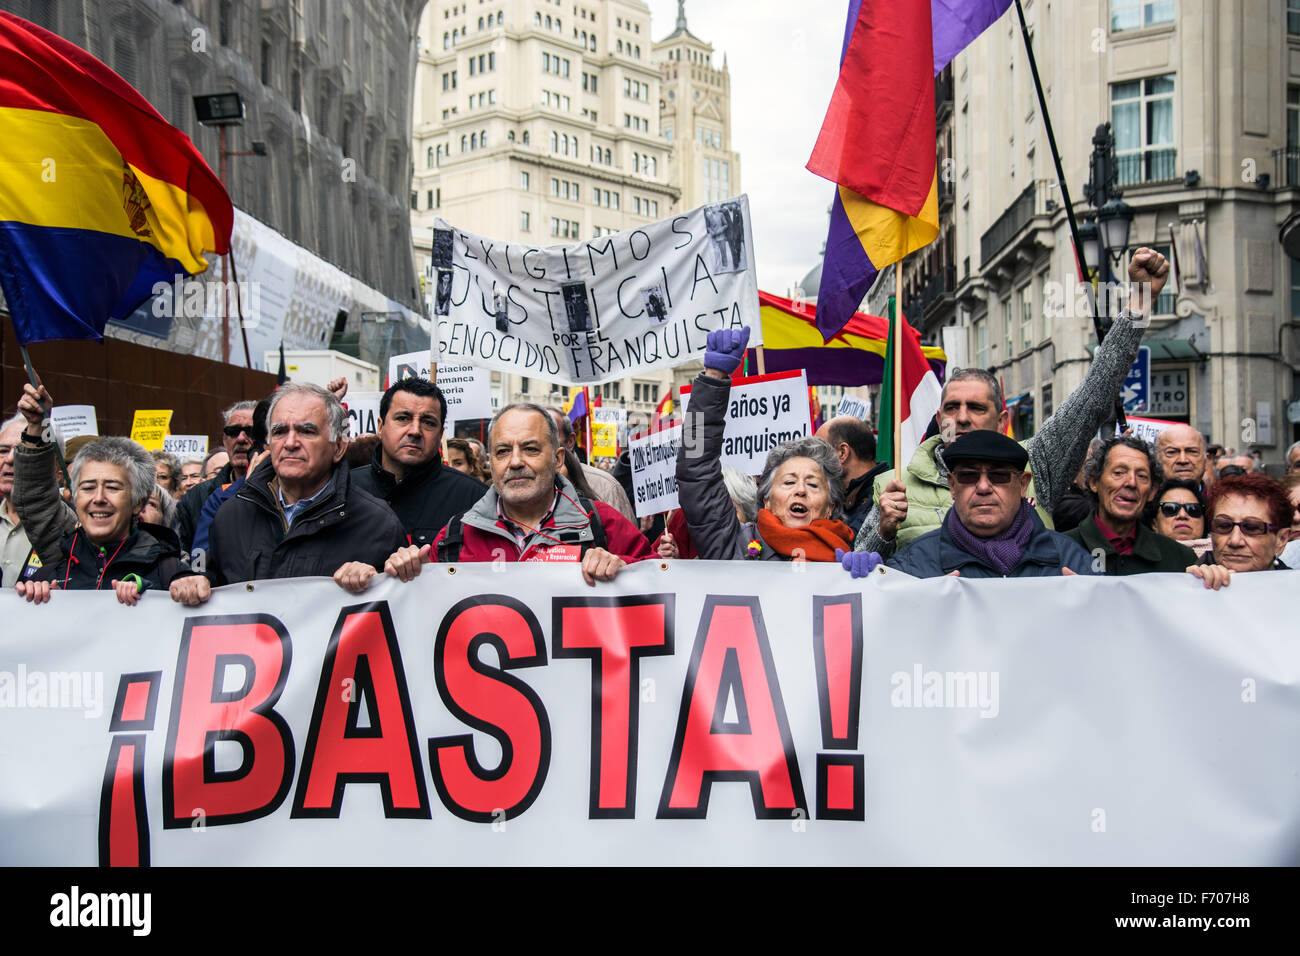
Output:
(818, 541)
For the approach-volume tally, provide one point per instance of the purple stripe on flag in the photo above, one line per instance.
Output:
(833, 366)
(957, 22)
(854, 7)
(847, 273)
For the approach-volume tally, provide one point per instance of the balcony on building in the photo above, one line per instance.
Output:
(943, 95)
(931, 305)
(1027, 219)
(1149, 167)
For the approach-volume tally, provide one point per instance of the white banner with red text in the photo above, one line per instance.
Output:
(687, 713)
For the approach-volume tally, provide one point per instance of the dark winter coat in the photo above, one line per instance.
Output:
(936, 553)
(426, 499)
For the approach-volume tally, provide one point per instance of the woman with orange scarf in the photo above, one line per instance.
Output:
(799, 490)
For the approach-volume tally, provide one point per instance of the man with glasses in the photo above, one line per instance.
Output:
(237, 440)
(1181, 450)
(1123, 474)
(991, 530)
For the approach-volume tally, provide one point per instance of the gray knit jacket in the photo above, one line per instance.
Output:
(45, 515)
(1057, 451)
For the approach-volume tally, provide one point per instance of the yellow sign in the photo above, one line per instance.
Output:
(149, 428)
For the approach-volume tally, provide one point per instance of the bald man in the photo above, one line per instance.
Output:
(855, 446)
(1181, 449)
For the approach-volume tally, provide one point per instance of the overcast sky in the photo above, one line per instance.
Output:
(783, 57)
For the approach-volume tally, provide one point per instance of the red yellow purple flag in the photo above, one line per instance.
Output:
(100, 197)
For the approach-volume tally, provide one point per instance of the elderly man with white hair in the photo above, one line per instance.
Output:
(1181, 450)
(297, 514)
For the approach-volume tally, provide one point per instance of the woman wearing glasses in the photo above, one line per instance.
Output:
(1249, 520)
(1178, 512)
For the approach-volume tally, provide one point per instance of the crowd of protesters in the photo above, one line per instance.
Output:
(287, 495)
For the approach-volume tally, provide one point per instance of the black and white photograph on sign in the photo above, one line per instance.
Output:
(405, 371)
(653, 298)
(726, 225)
(442, 246)
(576, 306)
(499, 310)
(442, 296)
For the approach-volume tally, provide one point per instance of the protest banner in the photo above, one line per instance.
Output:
(71, 421)
(762, 412)
(859, 408)
(363, 412)
(606, 426)
(186, 446)
(654, 470)
(599, 310)
(687, 713)
(150, 427)
(1148, 429)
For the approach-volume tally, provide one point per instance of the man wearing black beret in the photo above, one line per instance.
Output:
(991, 530)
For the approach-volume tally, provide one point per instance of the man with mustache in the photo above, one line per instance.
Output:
(407, 470)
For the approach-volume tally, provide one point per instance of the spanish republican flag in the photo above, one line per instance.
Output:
(877, 143)
(100, 197)
(665, 406)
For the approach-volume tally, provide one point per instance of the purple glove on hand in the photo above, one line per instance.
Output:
(858, 563)
(726, 349)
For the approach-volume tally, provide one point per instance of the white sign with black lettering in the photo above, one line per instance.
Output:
(762, 412)
(410, 365)
(363, 412)
(600, 310)
(859, 408)
(468, 390)
(1148, 429)
(186, 446)
(70, 421)
(1169, 391)
(654, 471)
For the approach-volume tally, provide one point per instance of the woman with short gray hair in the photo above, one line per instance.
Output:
(112, 479)
(799, 493)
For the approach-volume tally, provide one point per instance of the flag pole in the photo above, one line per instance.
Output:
(36, 384)
(1120, 421)
(897, 384)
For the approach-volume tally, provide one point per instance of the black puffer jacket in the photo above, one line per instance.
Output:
(151, 551)
(249, 541)
(426, 499)
(190, 507)
(716, 533)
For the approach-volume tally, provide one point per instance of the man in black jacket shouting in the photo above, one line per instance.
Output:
(407, 471)
(298, 514)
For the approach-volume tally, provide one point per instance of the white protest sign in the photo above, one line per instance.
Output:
(762, 412)
(70, 421)
(1148, 429)
(468, 391)
(856, 740)
(410, 365)
(186, 446)
(654, 471)
(363, 412)
(859, 408)
(599, 310)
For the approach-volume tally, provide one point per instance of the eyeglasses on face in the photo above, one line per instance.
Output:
(1170, 509)
(1251, 527)
(234, 431)
(971, 476)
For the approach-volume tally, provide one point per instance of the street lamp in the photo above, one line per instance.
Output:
(222, 110)
(1106, 240)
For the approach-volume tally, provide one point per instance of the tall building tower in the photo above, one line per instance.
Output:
(695, 116)
(536, 121)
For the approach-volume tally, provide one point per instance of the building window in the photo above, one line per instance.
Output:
(1008, 330)
(981, 342)
(1026, 318)
(1142, 116)
(1135, 14)
(415, 200)
(1164, 304)
(1046, 412)
(523, 180)
(525, 222)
